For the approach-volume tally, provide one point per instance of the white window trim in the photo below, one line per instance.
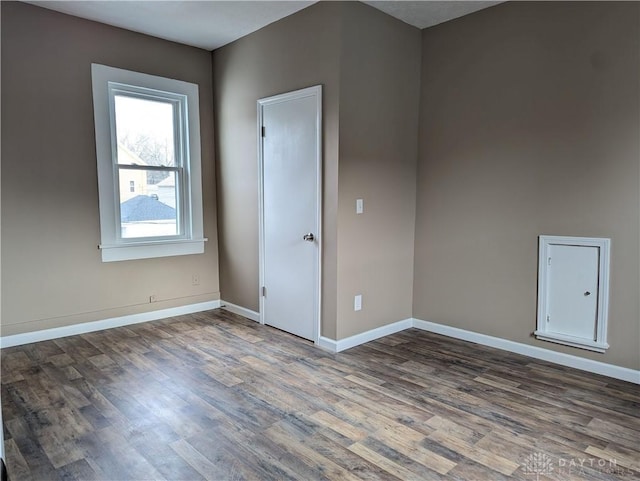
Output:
(112, 247)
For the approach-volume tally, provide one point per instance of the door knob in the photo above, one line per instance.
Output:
(587, 293)
(308, 237)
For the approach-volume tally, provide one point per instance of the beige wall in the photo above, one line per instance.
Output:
(368, 64)
(299, 51)
(529, 126)
(379, 89)
(52, 274)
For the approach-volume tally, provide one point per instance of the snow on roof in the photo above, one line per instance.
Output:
(143, 208)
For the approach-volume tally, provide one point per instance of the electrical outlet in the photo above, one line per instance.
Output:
(195, 280)
(153, 298)
(357, 302)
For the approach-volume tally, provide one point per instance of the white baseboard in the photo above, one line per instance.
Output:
(327, 344)
(561, 358)
(85, 327)
(372, 335)
(596, 367)
(241, 311)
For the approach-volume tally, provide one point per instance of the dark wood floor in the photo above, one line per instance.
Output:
(215, 396)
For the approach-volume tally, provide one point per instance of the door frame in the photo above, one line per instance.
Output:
(315, 91)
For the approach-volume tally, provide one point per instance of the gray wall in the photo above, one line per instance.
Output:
(52, 274)
(529, 125)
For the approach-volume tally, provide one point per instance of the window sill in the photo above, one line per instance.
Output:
(572, 341)
(147, 250)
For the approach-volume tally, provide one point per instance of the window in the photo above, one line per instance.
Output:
(148, 153)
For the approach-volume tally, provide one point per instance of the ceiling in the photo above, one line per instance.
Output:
(428, 13)
(212, 24)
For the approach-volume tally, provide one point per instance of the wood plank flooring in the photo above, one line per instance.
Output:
(215, 396)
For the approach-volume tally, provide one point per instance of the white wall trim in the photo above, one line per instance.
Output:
(576, 362)
(372, 335)
(85, 327)
(596, 367)
(561, 358)
(106, 83)
(241, 311)
(327, 344)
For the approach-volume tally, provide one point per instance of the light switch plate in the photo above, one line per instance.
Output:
(357, 302)
(359, 206)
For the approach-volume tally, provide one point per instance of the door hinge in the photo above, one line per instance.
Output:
(263, 131)
(549, 261)
(548, 318)
(263, 291)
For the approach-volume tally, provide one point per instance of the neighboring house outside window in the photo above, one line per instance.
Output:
(149, 173)
(132, 182)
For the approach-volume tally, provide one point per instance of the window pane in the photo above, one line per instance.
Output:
(150, 211)
(144, 132)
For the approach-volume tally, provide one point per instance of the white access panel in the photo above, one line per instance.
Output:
(573, 291)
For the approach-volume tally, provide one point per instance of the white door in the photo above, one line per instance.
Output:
(573, 290)
(290, 176)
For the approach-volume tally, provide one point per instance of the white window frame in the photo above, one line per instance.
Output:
(106, 82)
